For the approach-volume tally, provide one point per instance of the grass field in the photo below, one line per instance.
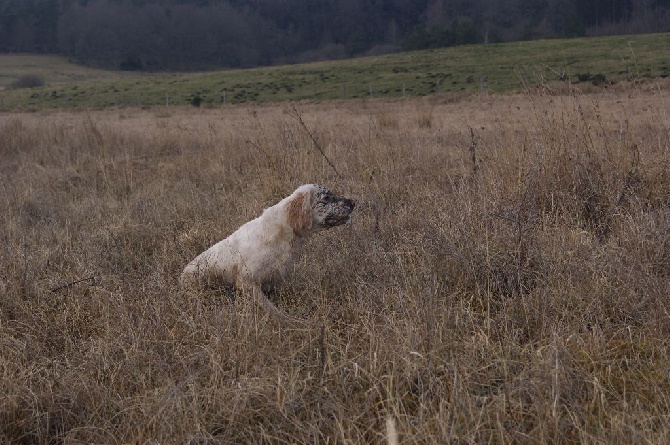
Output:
(497, 68)
(504, 278)
(54, 70)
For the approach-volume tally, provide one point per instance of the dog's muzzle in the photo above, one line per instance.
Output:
(341, 212)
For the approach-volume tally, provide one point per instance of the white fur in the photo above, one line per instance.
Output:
(262, 253)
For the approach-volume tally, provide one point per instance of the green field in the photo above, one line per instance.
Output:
(495, 67)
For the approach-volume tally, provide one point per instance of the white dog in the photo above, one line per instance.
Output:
(261, 254)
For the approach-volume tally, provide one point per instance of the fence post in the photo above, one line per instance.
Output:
(403, 89)
(167, 99)
(371, 91)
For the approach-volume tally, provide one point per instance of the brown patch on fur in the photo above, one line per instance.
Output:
(298, 218)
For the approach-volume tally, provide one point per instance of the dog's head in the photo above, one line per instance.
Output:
(313, 207)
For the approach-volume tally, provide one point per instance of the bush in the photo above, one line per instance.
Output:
(196, 100)
(595, 79)
(598, 79)
(27, 81)
(584, 77)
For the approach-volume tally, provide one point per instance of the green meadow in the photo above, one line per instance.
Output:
(494, 67)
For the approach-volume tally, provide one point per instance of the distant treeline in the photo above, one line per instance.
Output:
(201, 34)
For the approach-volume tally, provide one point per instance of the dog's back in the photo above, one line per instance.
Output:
(262, 250)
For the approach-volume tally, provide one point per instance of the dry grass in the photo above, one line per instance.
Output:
(504, 280)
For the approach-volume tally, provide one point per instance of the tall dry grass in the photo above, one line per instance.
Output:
(504, 280)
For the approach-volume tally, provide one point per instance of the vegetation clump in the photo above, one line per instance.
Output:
(26, 81)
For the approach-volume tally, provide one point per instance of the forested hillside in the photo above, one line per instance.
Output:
(200, 34)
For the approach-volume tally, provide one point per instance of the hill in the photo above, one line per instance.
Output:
(53, 70)
(196, 35)
(494, 67)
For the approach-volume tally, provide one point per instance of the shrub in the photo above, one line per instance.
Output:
(584, 77)
(27, 81)
(598, 79)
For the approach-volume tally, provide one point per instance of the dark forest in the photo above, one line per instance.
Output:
(158, 35)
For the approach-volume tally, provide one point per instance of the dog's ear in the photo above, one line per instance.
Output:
(298, 213)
